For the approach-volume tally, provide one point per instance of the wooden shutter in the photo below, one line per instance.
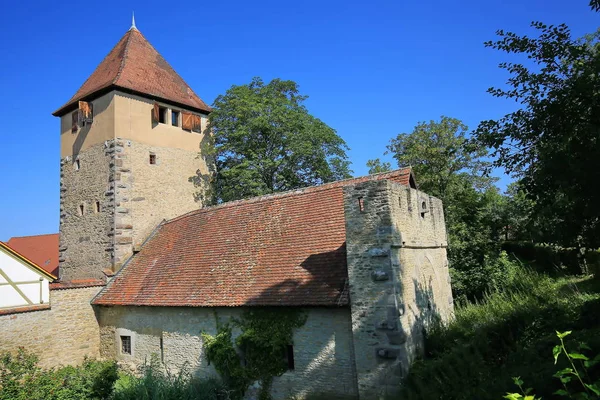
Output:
(187, 120)
(197, 123)
(156, 114)
(86, 110)
(74, 121)
(87, 115)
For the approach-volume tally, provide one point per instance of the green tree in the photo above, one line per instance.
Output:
(552, 142)
(438, 151)
(376, 166)
(265, 141)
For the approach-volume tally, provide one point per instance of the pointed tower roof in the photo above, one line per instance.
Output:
(134, 66)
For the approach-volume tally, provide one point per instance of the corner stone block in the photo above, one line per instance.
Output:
(380, 276)
(377, 252)
(387, 353)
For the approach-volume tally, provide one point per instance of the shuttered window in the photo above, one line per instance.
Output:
(86, 112)
(187, 120)
(191, 122)
(155, 113)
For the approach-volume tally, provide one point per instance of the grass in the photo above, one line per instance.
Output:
(155, 383)
(509, 333)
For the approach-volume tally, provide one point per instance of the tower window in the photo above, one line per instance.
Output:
(162, 115)
(152, 159)
(174, 118)
(81, 209)
(126, 345)
(76, 165)
(97, 207)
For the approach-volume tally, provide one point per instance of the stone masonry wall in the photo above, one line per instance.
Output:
(323, 352)
(85, 240)
(163, 190)
(398, 279)
(64, 334)
(146, 194)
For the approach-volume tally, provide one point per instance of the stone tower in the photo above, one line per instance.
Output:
(130, 140)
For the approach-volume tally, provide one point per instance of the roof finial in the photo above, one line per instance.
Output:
(133, 21)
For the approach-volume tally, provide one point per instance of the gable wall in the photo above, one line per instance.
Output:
(36, 290)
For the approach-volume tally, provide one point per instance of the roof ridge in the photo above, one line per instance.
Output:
(41, 234)
(124, 58)
(288, 193)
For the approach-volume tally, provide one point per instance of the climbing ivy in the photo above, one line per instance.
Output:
(265, 334)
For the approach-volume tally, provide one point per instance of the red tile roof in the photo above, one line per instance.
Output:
(41, 250)
(134, 65)
(283, 249)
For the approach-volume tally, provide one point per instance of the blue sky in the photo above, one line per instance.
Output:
(372, 69)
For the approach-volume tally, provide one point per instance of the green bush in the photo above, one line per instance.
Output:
(156, 383)
(510, 332)
(22, 379)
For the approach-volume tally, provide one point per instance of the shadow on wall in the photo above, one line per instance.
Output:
(85, 130)
(204, 183)
(323, 352)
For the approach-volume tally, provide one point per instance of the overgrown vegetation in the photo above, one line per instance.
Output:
(156, 383)
(509, 333)
(22, 379)
(265, 335)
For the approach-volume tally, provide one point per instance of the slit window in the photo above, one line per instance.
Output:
(126, 345)
(162, 349)
(175, 118)
(81, 209)
(97, 207)
(289, 357)
(162, 115)
(76, 165)
(152, 159)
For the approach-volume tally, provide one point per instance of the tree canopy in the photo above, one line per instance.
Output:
(551, 143)
(265, 141)
(437, 152)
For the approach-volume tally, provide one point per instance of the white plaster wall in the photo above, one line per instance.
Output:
(17, 271)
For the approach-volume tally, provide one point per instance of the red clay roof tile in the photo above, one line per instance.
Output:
(41, 249)
(134, 65)
(286, 249)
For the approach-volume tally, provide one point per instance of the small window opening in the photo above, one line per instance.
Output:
(81, 210)
(175, 118)
(126, 345)
(152, 159)
(77, 165)
(289, 357)
(162, 115)
(361, 204)
(162, 349)
(423, 209)
(97, 207)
